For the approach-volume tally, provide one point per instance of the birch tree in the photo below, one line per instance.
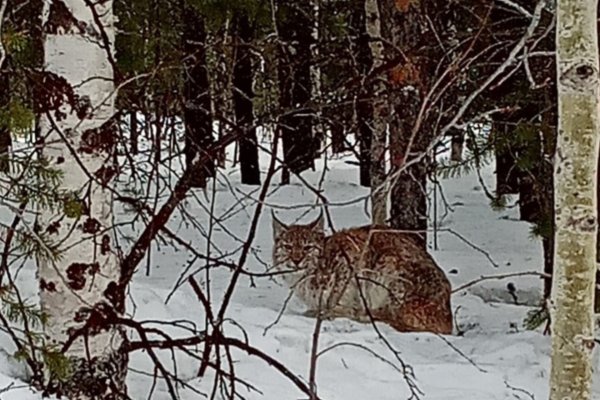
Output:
(79, 129)
(575, 196)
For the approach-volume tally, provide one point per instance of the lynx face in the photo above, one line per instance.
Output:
(297, 247)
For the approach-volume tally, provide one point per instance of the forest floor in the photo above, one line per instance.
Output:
(491, 356)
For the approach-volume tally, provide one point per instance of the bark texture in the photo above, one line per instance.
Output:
(5, 139)
(242, 102)
(412, 27)
(363, 107)
(575, 197)
(78, 113)
(380, 114)
(197, 105)
(295, 85)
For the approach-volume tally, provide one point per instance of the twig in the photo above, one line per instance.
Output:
(472, 245)
(210, 320)
(9, 238)
(314, 351)
(517, 7)
(499, 277)
(253, 229)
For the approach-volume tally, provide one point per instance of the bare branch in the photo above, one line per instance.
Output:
(517, 7)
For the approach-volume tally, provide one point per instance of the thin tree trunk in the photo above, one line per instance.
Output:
(5, 139)
(457, 145)
(197, 104)
(363, 108)
(242, 102)
(529, 209)
(364, 120)
(507, 172)
(134, 132)
(380, 114)
(222, 85)
(318, 128)
(549, 123)
(576, 202)
(338, 139)
(78, 284)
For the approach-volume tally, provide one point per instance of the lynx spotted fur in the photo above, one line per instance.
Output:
(364, 273)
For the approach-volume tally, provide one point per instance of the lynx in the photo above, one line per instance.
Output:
(365, 273)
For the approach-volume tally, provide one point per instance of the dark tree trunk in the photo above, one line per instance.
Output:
(507, 176)
(548, 248)
(457, 145)
(134, 132)
(28, 18)
(5, 140)
(300, 147)
(529, 207)
(363, 105)
(546, 188)
(408, 202)
(507, 172)
(338, 137)
(242, 102)
(197, 105)
(364, 121)
(409, 29)
(547, 222)
(336, 119)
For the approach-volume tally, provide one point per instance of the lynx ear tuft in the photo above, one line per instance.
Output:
(277, 225)
(318, 224)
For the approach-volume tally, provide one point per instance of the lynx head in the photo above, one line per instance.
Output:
(297, 247)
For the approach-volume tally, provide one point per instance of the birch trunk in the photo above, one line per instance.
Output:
(78, 60)
(380, 114)
(575, 196)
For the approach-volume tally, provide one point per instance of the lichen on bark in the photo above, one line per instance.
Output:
(78, 124)
(575, 200)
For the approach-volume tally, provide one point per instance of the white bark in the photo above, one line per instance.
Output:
(380, 113)
(88, 262)
(575, 199)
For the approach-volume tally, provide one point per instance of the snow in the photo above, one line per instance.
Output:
(490, 357)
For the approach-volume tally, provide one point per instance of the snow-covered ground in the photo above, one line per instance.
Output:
(490, 356)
